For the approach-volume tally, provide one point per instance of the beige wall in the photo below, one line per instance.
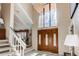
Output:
(6, 16)
(34, 29)
(63, 17)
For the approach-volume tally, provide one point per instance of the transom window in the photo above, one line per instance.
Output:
(47, 18)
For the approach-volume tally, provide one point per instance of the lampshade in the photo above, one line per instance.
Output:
(1, 21)
(72, 40)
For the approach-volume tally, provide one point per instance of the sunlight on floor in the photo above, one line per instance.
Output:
(40, 53)
(34, 54)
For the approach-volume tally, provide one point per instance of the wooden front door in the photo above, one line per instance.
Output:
(48, 40)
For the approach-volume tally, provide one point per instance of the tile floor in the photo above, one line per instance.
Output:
(40, 53)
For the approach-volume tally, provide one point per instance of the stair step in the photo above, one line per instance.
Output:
(4, 45)
(4, 49)
(6, 54)
(3, 41)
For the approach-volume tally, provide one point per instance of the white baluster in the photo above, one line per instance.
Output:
(20, 49)
(23, 52)
(18, 44)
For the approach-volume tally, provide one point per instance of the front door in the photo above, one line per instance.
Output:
(48, 40)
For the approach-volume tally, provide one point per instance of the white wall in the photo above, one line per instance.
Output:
(23, 22)
(18, 25)
(76, 22)
(28, 7)
(63, 17)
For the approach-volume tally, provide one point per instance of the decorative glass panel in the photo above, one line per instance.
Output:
(53, 18)
(41, 20)
(46, 39)
(46, 15)
(39, 39)
(54, 38)
(49, 20)
(46, 19)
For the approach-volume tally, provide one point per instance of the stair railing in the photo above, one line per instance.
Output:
(18, 45)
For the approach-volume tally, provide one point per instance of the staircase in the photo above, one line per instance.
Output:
(4, 48)
(4, 43)
(17, 44)
(14, 47)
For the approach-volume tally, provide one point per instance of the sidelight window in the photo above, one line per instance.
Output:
(39, 39)
(54, 39)
(46, 39)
